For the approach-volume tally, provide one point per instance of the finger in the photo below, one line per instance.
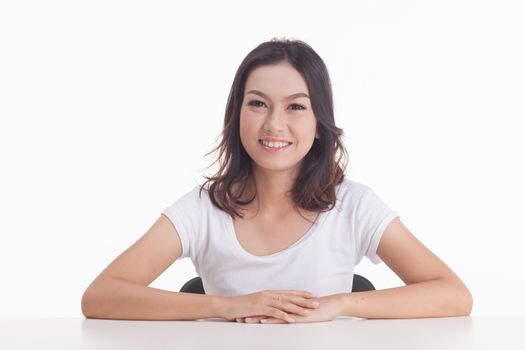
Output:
(271, 320)
(277, 313)
(254, 319)
(306, 303)
(302, 293)
(291, 306)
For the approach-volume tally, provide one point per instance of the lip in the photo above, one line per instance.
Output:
(274, 139)
(273, 149)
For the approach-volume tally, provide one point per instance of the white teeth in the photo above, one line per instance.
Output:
(274, 144)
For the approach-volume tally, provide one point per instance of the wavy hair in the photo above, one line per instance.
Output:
(322, 168)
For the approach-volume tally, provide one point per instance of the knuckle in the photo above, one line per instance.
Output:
(282, 315)
(268, 311)
(275, 313)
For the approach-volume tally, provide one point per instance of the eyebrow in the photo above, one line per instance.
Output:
(299, 94)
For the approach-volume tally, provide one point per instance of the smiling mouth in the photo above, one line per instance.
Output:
(271, 146)
(274, 144)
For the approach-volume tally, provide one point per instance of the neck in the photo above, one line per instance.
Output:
(272, 187)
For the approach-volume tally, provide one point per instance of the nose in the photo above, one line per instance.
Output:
(275, 121)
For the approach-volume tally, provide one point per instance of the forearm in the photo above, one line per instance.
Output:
(437, 298)
(120, 299)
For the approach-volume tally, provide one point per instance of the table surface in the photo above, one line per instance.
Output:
(426, 333)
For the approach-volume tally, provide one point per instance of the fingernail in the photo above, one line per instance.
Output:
(315, 303)
(263, 321)
(289, 319)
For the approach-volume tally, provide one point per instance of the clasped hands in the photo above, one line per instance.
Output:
(281, 306)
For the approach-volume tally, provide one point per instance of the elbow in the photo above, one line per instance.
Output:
(463, 302)
(455, 300)
(468, 303)
(87, 303)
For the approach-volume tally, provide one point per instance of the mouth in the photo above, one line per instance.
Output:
(273, 146)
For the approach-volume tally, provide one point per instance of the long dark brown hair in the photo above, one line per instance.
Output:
(322, 168)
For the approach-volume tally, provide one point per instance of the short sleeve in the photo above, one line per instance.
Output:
(372, 216)
(184, 215)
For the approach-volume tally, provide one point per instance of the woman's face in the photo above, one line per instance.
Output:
(277, 124)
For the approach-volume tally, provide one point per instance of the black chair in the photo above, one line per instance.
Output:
(361, 284)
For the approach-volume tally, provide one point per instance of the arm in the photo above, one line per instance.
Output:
(121, 291)
(113, 298)
(432, 288)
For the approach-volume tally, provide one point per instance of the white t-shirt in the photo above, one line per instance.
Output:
(322, 261)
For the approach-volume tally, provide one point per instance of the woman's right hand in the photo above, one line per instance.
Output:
(269, 303)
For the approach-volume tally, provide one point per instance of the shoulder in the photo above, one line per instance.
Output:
(193, 199)
(349, 192)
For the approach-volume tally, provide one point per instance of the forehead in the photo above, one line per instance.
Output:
(276, 79)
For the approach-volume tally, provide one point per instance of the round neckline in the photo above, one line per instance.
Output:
(311, 230)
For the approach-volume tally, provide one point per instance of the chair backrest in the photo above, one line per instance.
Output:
(361, 284)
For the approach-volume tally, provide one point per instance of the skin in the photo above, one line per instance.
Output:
(276, 115)
(432, 288)
(122, 290)
(277, 104)
(273, 113)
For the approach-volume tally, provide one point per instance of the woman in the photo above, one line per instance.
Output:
(276, 233)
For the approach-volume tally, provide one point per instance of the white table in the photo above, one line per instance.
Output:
(348, 333)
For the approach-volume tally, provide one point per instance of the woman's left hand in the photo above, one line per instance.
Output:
(329, 308)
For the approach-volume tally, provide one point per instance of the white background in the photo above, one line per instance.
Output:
(108, 107)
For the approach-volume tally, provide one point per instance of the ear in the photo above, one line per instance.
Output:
(317, 134)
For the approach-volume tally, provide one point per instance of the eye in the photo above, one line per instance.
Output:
(255, 103)
(300, 107)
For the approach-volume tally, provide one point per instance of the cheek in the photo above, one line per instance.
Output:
(305, 129)
(247, 126)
